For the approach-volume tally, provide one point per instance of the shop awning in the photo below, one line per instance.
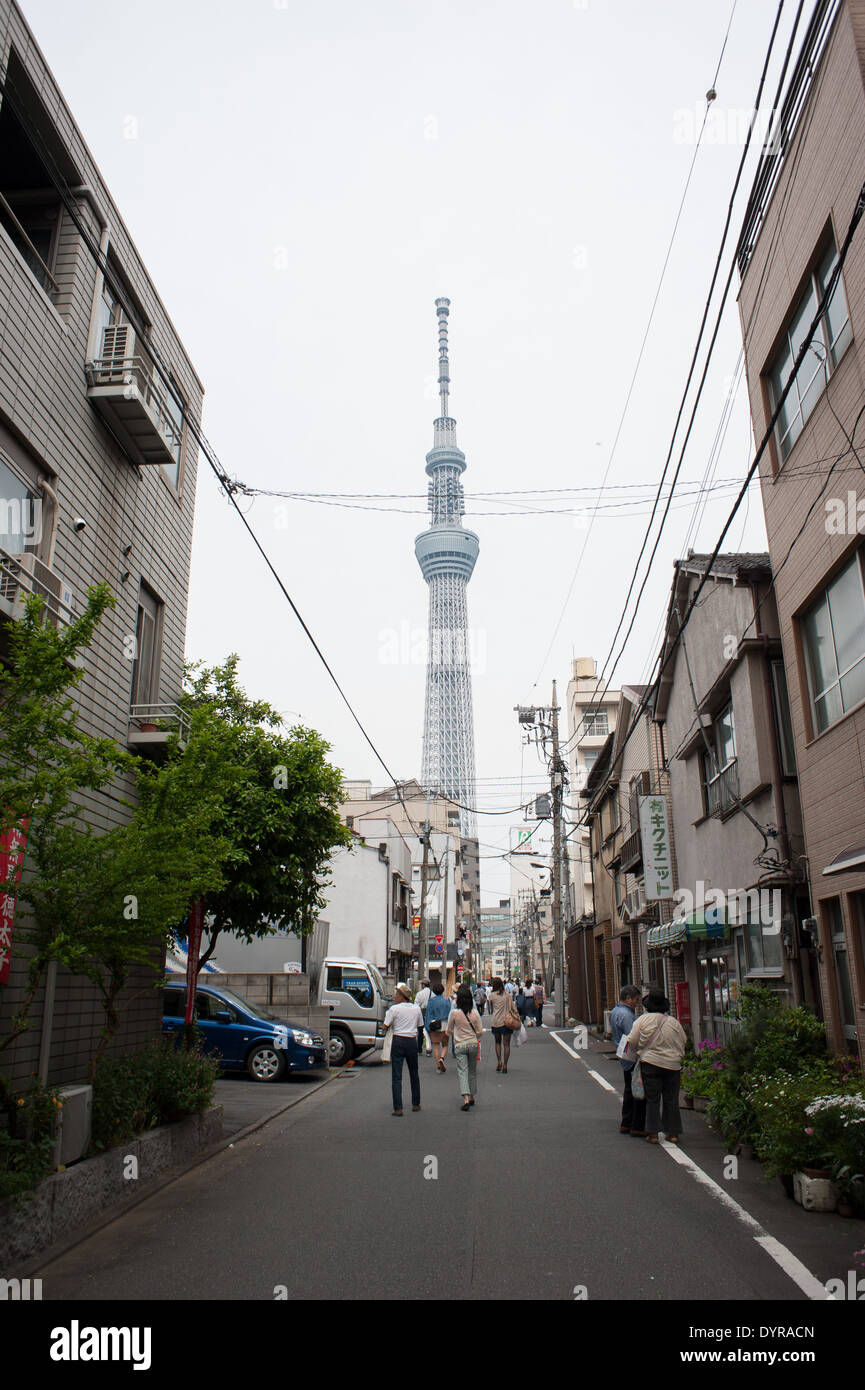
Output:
(699, 925)
(667, 934)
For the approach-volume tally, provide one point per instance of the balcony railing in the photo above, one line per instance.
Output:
(151, 725)
(722, 791)
(632, 851)
(133, 403)
(21, 575)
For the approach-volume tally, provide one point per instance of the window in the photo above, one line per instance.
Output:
(145, 668)
(20, 513)
(30, 206)
(174, 410)
(833, 633)
(174, 1003)
(763, 951)
(595, 722)
(844, 990)
(859, 942)
(719, 776)
(832, 336)
(350, 980)
(614, 813)
(784, 722)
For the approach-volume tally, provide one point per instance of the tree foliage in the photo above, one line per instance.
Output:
(277, 808)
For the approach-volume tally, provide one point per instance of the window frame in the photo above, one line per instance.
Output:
(724, 802)
(833, 350)
(803, 620)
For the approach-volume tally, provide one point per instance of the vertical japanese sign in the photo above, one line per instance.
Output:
(13, 847)
(657, 859)
(193, 945)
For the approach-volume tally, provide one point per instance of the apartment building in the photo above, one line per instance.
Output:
(633, 864)
(591, 717)
(811, 473)
(99, 405)
(724, 724)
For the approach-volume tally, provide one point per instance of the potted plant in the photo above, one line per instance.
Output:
(837, 1125)
(701, 1073)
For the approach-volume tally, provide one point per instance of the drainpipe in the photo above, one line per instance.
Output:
(778, 787)
(45, 486)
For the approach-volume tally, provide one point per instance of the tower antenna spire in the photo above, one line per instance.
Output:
(442, 310)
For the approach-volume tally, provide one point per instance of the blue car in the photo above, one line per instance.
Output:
(241, 1035)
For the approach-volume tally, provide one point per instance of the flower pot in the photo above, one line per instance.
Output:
(815, 1194)
(786, 1181)
(700, 1104)
(823, 1173)
(686, 1100)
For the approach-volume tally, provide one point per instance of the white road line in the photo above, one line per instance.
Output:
(784, 1258)
(600, 1080)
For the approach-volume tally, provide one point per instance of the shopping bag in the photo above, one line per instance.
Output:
(387, 1044)
(522, 1035)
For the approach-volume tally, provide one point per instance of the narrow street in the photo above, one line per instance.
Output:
(537, 1196)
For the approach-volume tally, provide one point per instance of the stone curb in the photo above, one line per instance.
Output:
(44, 1257)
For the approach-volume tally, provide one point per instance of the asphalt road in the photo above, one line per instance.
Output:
(533, 1194)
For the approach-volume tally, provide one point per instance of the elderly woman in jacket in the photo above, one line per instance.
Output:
(658, 1041)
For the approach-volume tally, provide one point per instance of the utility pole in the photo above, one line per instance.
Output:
(422, 949)
(556, 790)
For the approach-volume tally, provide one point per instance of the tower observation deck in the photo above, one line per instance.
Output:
(446, 553)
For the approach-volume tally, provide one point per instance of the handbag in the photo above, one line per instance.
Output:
(638, 1090)
(387, 1044)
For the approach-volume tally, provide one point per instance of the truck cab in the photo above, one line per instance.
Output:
(357, 997)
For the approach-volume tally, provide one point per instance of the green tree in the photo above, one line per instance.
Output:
(278, 807)
(96, 902)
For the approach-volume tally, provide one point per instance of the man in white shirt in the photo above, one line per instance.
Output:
(404, 1018)
(422, 999)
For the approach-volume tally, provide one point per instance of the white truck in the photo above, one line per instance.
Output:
(358, 999)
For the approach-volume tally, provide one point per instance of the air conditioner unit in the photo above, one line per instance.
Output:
(118, 344)
(73, 1125)
(43, 580)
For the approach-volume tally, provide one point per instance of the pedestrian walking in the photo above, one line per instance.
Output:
(501, 1005)
(658, 1041)
(539, 998)
(465, 1027)
(480, 999)
(622, 1019)
(422, 999)
(404, 1018)
(437, 1011)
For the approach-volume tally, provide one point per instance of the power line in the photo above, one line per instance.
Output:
(623, 415)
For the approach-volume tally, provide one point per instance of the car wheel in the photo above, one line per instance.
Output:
(265, 1063)
(340, 1049)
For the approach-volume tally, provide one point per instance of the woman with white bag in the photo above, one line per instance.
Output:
(465, 1027)
(658, 1041)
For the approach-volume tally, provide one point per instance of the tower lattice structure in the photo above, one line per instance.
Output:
(446, 553)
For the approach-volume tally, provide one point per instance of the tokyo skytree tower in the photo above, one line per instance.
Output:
(446, 554)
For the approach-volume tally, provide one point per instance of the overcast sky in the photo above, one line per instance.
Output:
(303, 180)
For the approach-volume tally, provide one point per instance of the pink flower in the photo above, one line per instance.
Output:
(808, 1130)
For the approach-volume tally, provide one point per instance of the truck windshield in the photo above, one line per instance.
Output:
(378, 982)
